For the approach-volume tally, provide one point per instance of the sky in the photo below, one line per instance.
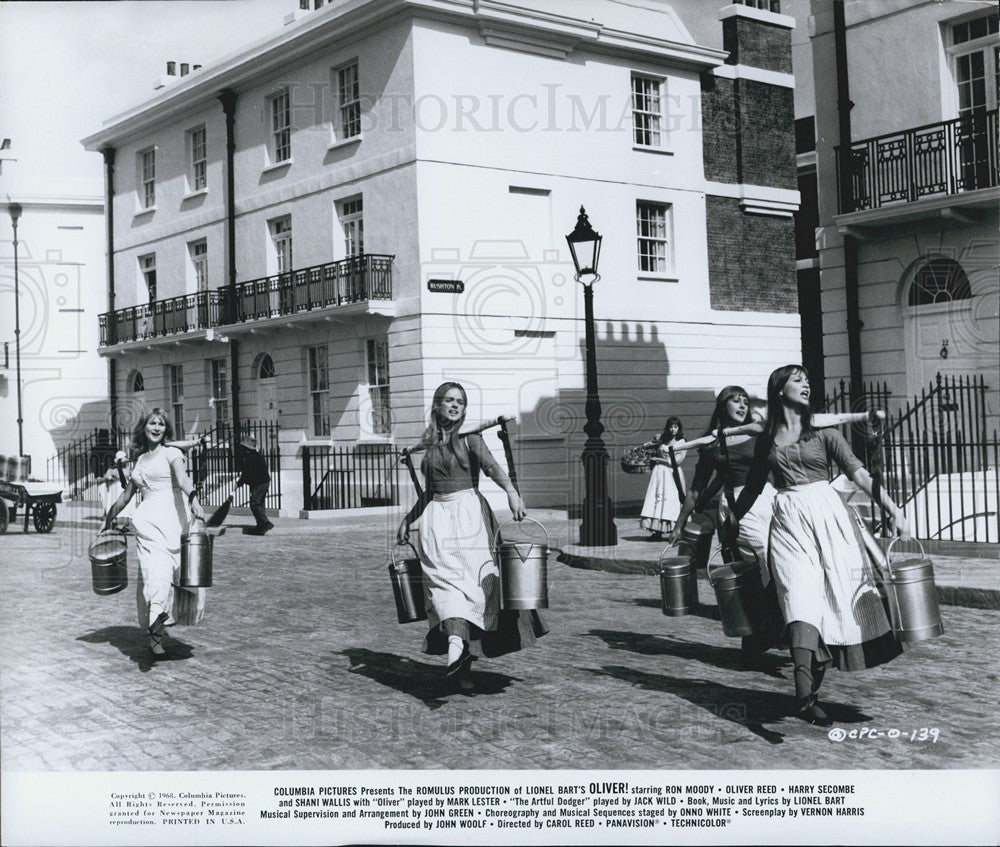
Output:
(66, 67)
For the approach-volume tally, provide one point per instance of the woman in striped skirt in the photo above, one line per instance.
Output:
(456, 530)
(824, 579)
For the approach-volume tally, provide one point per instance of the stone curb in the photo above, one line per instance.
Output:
(947, 595)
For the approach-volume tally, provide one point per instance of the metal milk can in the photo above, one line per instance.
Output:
(740, 596)
(407, 578)
(196, 556)
(678, 585)
(912, 595)
(523, 572)
(108, 556)
(696, 540)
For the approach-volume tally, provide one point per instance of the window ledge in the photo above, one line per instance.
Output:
(201, 192)
(345, 142)
(284, 163)
(662, 151)
(146, 211)
(659, 277)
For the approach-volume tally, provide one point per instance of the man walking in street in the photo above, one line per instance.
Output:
(253, 473)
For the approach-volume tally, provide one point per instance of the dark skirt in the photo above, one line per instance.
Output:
(516, 630)
(848, 657)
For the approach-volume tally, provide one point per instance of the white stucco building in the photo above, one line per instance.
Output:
(319, 229)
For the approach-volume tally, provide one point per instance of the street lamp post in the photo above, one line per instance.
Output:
(598, 526)
(15, 215)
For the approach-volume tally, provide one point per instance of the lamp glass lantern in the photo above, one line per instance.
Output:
(584, 246)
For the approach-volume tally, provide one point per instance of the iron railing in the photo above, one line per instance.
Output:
(215, 464)
(766, 5)
(942, 158)
(350, 477)
(934, 457)
(81, 463)
(161, 317)
(873, 395)
(352, 280)
(947, 484)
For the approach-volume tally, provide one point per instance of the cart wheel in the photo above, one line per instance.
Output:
(4, 517)
(43, 515)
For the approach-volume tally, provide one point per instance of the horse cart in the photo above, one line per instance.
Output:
(38, 499)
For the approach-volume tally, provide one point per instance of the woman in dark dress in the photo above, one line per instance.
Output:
(716, 470)
(455, 530)
(825, 582)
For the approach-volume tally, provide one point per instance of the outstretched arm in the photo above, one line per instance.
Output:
(752, 428)
(822, 420)
(702, 441)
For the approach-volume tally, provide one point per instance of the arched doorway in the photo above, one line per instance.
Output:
(267, 389)
(132, 406)
(949, 328)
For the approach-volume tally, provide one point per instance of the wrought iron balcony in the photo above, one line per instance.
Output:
(186, 313)
(352, 280)
(944, 158)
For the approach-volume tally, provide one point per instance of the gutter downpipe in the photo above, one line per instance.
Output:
(851, 286)
(112, 336)
(228, 100)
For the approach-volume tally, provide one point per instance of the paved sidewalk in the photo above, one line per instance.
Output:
(300, 664)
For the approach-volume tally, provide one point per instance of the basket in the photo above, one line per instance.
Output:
(637, 460)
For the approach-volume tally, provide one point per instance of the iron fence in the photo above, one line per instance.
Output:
(934, 457)
(947, 484)
(350, 477)
(216, 461)
(80, 464)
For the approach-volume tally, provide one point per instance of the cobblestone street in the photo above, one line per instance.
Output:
(300, 664)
